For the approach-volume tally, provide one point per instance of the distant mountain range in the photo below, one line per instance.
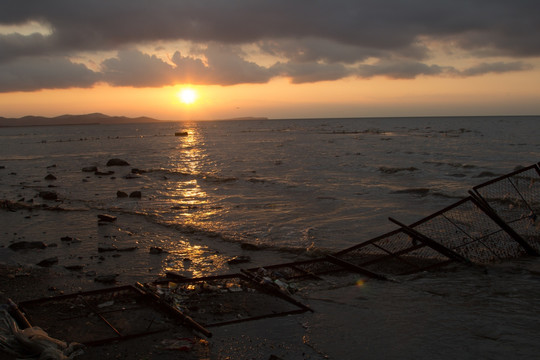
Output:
(87, 119)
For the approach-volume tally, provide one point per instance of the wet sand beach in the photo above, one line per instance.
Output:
(457, 312)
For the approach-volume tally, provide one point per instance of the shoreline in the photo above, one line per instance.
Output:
(458, 312)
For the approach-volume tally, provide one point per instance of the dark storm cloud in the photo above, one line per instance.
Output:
(133, 68)
(223, 66)
(400, 70)
(30, 74)
(309, 36)
(497, 68)
(311, 72)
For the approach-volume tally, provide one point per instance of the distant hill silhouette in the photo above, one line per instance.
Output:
(95, 118)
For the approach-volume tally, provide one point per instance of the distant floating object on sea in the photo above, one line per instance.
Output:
(181, 133)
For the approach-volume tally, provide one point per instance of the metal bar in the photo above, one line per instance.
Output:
(470, 236)
(125, 337)
(96, 311)
(507, 176)
(174, 310)
(266, 316)
(75, 295)
(520, 195)
(355, 268)
(275, 290)
(431, 243)
(488, 210)
(395, 255)
(368, 242)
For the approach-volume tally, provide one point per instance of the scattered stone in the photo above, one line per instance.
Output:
(103, 173)
(239, 260)
(106, 304)
(48, 195)
(131, 176)
(106, 279)
(135, 194)
(485, 174)
(48, 262)
(117, 162)
(90, 169)
(90, 273)
(107, 248)
(2, 167)
(106, 217)
(121, 194)
(138, 171)
(27, 245)
(156, 250)
(70, 239)
(50, 177)
(51, 166)
(247, 246)
(74, 267)
(130, 248)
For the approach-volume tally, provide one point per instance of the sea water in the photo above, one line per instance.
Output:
(289, 186)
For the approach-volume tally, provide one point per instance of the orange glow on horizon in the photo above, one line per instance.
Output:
(510, 93)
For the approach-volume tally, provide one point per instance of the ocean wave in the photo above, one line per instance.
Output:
(208, 177)
(451, 164)
(391, 170)
(413, 191)
(11, 205)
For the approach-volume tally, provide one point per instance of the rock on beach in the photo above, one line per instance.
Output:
(90, 169)
(48, 262)
(106, 218)
(27, 245)
(48, 195)
(117, 162)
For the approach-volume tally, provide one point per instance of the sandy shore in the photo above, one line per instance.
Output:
(264, 339)
(489, 313)
(460, 312)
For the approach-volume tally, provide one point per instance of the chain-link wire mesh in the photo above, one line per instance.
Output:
(393, 253)
(468, 231)
(516, 200)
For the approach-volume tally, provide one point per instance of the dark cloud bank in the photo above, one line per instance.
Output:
(314, 40)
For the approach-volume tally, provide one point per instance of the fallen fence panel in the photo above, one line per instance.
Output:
(101, 316)
(515, 198)
(467, 230)
(394, 253)
(226, 299)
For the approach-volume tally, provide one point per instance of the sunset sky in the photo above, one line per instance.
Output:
(271, 58)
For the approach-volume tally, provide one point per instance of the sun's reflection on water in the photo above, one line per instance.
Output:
(189, 206)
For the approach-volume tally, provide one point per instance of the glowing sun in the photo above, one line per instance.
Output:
(187, 96)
